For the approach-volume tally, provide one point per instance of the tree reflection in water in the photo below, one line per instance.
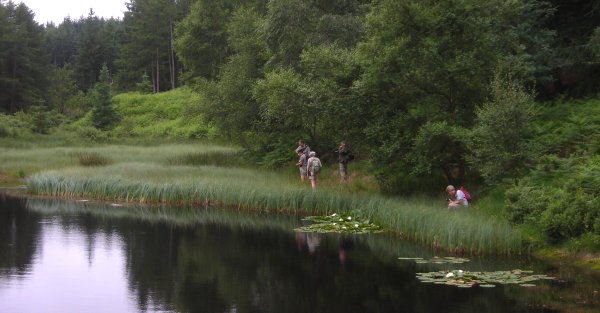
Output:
(211, 260)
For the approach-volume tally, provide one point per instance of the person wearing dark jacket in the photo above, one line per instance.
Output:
(344, 156)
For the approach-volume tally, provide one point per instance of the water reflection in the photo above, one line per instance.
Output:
(82, 257)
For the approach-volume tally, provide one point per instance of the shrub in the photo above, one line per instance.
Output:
(527, 202)
(10, 126)
(570, 208)
(91, 133)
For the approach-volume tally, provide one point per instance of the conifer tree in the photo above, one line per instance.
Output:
(103, 114)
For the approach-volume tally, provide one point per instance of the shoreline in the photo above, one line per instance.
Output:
(553, 255)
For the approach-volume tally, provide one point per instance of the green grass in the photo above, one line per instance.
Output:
(179, 174)
(167, 114)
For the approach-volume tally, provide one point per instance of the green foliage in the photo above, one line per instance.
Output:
(22, 59)
(91, 133)
(426, 63)
(500, 141)
(11, 126)
(282, 104)
(146, 44)
(287, 28)
(145, 85)
(569, 128)
(103, 113)
(166, 114)
(63, 88)
(566, 207)
(200, 38)
(438, 145)
(95, 48)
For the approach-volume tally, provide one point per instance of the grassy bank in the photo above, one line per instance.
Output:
(197, 174)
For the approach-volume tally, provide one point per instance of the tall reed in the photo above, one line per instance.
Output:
(421, 220)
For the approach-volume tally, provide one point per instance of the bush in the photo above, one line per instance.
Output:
(91, 133)
(570, 208)
(11, 126)
(527, 203)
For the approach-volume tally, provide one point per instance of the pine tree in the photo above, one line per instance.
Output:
(22, 59)
(103, 114)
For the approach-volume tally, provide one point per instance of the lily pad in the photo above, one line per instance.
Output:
(482, 279)
(336, 223)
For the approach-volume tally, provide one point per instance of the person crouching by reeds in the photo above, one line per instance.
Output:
(302, 164)
(460, 200)
(314, 168)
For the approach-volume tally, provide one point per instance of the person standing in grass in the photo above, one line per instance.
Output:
(302, 164)
(459, 198)
(314, 168)
(344, 156)
(304, 148)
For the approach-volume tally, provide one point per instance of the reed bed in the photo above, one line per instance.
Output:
(421, 220)
(203, 174)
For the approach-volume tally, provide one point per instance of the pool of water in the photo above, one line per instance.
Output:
(77, 256)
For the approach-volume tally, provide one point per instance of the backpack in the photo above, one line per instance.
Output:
(316, 166)
(350, 156)
(467, 195)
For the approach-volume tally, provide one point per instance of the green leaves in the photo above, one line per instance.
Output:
(501, 138)
(103, 113)
(339, 224)
(466, 279)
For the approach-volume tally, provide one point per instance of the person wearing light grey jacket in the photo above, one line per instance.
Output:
(314, 168)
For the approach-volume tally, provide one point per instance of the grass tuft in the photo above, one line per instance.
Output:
(92, 159)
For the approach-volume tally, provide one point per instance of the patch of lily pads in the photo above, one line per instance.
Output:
(437, 260)
(466, 279)
(339, 223)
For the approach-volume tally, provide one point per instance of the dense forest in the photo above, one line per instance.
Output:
(426, 92)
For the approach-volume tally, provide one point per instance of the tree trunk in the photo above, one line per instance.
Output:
(153, 74)
(157, 73)
(172, 56)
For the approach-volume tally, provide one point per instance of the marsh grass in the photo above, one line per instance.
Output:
(420, 220)
(92, 159)
(217, 158)
(178, 174)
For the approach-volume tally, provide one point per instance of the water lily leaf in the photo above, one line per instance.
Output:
(485, 279)
(339, 223)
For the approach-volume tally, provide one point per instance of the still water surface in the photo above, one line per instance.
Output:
(67, 256)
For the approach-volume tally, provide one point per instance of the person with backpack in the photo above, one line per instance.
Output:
(344, 156)
(314, 168)
(460, 197)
